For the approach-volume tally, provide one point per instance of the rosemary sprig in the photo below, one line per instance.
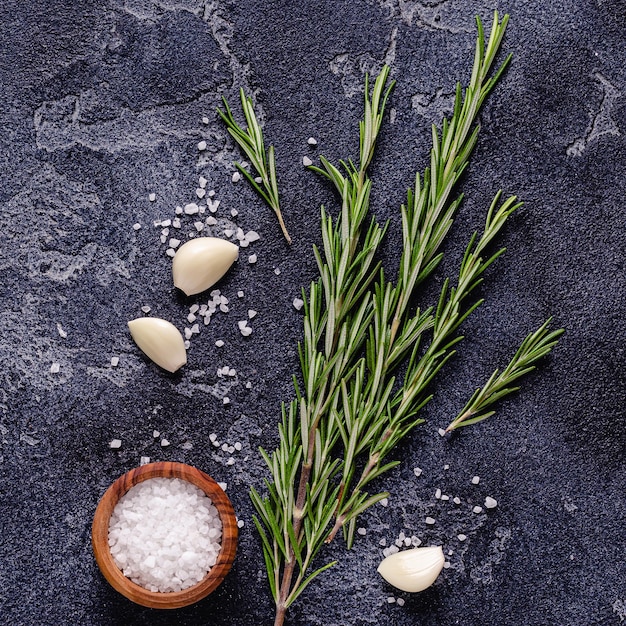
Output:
(251, 143)
(350, 408)
(500, 384)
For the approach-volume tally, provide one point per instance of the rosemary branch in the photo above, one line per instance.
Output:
(250, 140)
(535, 346)
(351, 407)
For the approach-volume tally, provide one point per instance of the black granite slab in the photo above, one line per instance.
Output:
(102, 104)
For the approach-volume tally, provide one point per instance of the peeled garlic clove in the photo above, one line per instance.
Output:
(201, 262)
(413, 570)
(160, 341)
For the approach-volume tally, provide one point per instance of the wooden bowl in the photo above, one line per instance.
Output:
(133, 591)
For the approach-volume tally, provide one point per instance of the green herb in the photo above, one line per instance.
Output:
(251, 142)
(368, 355)
(534, 347)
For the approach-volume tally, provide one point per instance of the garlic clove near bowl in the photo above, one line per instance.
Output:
(160, 341)
(413, 570)
(199, 263)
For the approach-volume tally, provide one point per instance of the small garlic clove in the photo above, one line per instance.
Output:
(201, 262)
(160, 341)
(413, 570)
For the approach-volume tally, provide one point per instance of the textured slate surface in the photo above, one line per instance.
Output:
(102, 104)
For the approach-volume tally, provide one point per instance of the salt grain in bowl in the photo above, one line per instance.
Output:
(165, 534)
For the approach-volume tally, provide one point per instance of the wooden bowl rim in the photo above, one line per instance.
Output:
(135, 592)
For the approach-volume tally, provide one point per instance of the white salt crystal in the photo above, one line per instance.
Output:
(213, 206)
(136, 226)
(164, 443)
(61, 332)
(115, 443)
(219, 343)
(456, 500)
(277, 271)
(461, 537)
(146, 309)
(430, 521)
(477, 509)
(156, 434)
(490, 503)
(230, 461)
(391, 599)
(251, 313)
(400, 601)
(445, 497)
(210, 221)
(442, 432)
(212, 437)
(298, 303)
(438, 494)
(236, 177)
(252, 236)
(234, 212)
(252, 259)
(211, 193)
(384, 502)
(191, 208)
(180, 525)
(475, 480)
(205, 120)
(222, 486)
(312, 141)
(237, 446)
(246, 332)
(152, 197)
(240, 523)
(202, 145)
(306, 161)
(417, 471)
(144, 460)
(170, 252)
(226, 400)
(200, 192)
(258, 180)
(115, 361)
(54, 368)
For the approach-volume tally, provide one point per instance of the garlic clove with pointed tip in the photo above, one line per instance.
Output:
(160, 341)
(413, 570)
(199, 263)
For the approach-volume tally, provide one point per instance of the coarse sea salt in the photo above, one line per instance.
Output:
(165, 534)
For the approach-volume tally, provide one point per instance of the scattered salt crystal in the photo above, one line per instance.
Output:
(212, 437)
(234, 212)
(438, 494)
(248, 385)
(312, 141)
(277, 271)
(219, 343)
(247, 331)
(236, 177)
(237, 446)
(251, 313)
(170, 252)
(475, 480)
(252, 259)
(152, 197)
(446, 565)
(54, 368)
(202, 145)
(252, 236)
(240, 523)
(258, 180)
(442, 432)
(210, 221)
(62, 333)
(456, 500)
(391, 599)
(156, 434)
(224, 308)
(415, 541)
(477, 509)
(188, 333)
(230, 461)
(298, 303)
(306, 161)
(115, 361)
(136, 226)
(164, 443)
(384, 502)
(417, 471)
(146, 309)
(382, 542)
(461, 537)
(399, 543)
(213, 206)
(222, 486)
(191, 208)
(226, 400)
(430, 521)
(211, 193)
(115, 443)
(179, 211)
(187, 344)
(144, 460)
(229, 232)
(445, 497)
(446, 467)
(490, 503)
(166, 223)
(400, 601)
(200, 192)
(205, 120)
(195, 329)
(191, 318)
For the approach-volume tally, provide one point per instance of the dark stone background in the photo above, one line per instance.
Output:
(102, 104)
